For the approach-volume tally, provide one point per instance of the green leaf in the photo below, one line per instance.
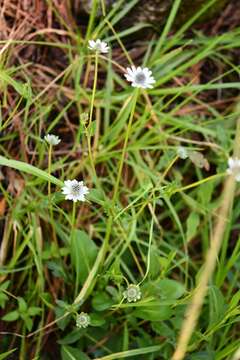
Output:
(166, 289)
(5, 355)
(30, 169)
(3, 299)
(71, 338)
(217, 305)
(22, 306)
(11, 316)
(102, 301)
(192, 224)
(83, 254)
(4, 285)
(97, 320)
(21, 88)
(33, 310)
(154, 312)
(92, 128)
(63, 322)
(28, 322)
(69, 353)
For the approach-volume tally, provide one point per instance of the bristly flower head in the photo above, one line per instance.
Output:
(98, 46)
(82, 320)
(52, 139)
(74, 190)
(132, 293)
(234, 168)
(182, 152)
(140, 77)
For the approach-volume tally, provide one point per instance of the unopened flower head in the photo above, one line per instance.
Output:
(140, 77)
(234, 168)
(182, 152)
(74, 190)
(52, 139)
(82, 320)
(98, 46)
(132, 293)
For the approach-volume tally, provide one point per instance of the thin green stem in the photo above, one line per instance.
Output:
(49, 192)
(49, 169)
(73, 220)
(88, 129)
(94, 88)
(91, 279)
(129, 127)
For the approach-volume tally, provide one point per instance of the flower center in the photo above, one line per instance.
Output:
(98, 46)
(140, 78)
(75, 188)
(132, 293)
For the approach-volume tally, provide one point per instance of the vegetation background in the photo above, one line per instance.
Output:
(152, 217)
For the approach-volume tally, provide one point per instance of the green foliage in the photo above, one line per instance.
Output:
(149, 215)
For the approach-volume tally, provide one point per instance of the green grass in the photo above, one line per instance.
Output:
(149, 216)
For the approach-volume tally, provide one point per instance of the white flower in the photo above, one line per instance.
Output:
(98, 45)
(52, 139)
(83, 320)
(140, 77)
(182, 152)
(234, 168)
(74, 190)
(133, 293)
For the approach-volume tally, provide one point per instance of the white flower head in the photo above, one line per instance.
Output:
(234, 168)
(132, 293)
(98, 46)
(52, 139)
(182, 152)
(82, 320)
(74, 190)
(140, 77)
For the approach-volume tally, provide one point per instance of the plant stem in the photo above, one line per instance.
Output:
(194, 309)
(129, 127)
(88, 129)
(49, 192)
(91, 279)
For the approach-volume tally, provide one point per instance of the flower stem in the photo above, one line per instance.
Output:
(135, 96)
(91, 279)
(90, 120)
(49, 192)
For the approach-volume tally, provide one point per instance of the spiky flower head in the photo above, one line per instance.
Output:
(83, 320)
(182, 152)
(234, 168)
(98, 46)
(52, 139)
(140, 77)
(132, 293)
(74, 190)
